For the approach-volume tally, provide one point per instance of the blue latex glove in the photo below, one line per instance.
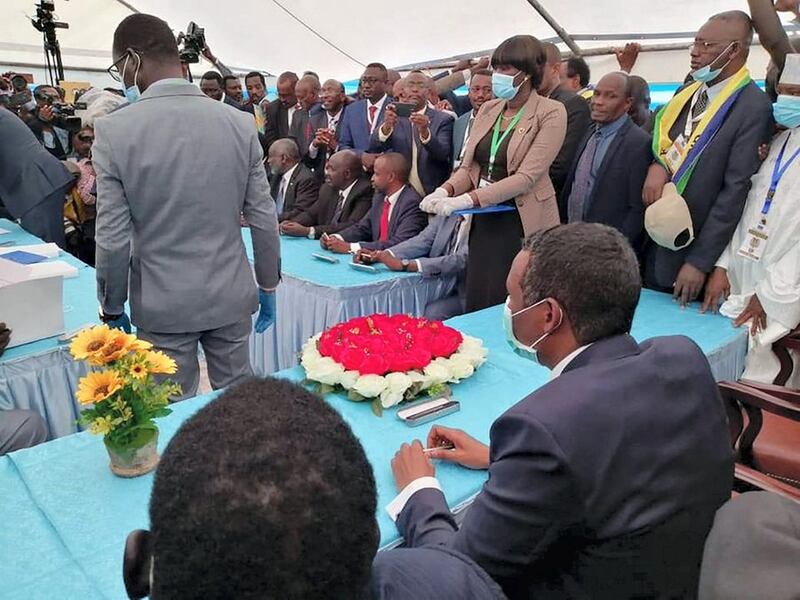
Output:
(123, 323)
(266, 316)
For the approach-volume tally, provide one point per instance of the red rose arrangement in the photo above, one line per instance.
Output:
(381, 344)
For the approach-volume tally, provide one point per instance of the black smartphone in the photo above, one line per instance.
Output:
(404, 109)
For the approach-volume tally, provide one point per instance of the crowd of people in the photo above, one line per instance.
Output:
(541, 189)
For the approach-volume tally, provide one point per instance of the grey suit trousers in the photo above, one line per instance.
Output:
(445, 308)
(226, 349)
(20, 429)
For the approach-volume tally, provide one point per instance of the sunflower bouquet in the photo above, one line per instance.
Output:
(122, 393)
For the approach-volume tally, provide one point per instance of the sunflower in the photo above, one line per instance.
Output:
(139, 371)
(117, 346)
(89, 341)
(98, 386)
(158, 362)
(137, 345)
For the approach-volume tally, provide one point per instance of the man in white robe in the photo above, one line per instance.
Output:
(759, 271)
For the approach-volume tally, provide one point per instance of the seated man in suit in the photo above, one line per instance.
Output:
(293, 186)
(480, 91)
(605, 182)
(604, 482)
(326, 127)
(394, 217)
(425, 138)
(364, 116)
(301, 129)
(440, 250)
(280, 112)
(344, 199)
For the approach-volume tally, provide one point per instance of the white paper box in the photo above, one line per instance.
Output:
(32, 308)
(46, 250)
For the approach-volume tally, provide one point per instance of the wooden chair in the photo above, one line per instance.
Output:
(781, 349)
(764, 422)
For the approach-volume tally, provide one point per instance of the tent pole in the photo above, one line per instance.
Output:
(562, 33)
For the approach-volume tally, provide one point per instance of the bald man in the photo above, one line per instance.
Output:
(294, 187)
(394, 216)
(578, 115)
(344, 199)
(302, 130)
(605, 180)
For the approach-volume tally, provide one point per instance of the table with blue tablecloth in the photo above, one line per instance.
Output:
(42, 376)
(314, 295)
(65, 516)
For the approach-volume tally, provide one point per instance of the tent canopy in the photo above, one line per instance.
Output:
(278, 35)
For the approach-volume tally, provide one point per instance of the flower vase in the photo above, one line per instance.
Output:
(136, 458)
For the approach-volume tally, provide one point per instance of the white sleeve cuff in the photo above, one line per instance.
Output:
(313, 151)
(396, 506)
(383, 137)
(392, 253)
(336, 235)
(355, 248)
(419, 265)
(467, 76)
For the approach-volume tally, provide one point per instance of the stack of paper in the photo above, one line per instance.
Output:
(46, 250)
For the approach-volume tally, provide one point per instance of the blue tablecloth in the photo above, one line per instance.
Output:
(314, 295)
(41, 376)
(79, 502)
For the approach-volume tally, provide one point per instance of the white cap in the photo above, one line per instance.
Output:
(791, 70)
(668, 221)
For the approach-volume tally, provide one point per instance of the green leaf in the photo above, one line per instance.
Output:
(355, 396)
(377, 407)
(324, 388)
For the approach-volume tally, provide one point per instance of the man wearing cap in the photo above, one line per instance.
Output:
(759, 271)
(705, 142)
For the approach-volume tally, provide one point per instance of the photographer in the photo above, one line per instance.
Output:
(50, 122)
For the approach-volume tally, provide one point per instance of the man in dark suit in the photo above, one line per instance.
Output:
(480, 91)
(280, 111)
(605, 182)
(460, 75)
(364, 116)
(394, 216)
(719, 184)
(32, 181)
(425, 138)
(294, 188)
(233, 93)
(604, 482)
(326, 127)
(344, 199)
(579, 117)
(211, 85)
(302, 130)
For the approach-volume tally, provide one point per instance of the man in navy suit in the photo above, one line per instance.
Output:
(326, 126)
(605, 182)
(364, 116)
(425, 138)
(395, 215)
(604, 482)
(440, 250)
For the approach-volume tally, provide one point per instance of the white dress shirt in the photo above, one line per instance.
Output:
(284, 184)
(333, 122)
(392, 201)
(345, 193)
(379, 104)
(396, 506)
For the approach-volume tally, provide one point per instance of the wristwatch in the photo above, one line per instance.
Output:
(311, 233)
(405, 262)
(108, 318)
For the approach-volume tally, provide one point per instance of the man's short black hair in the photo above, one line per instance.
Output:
(525, 53)
(577, 66)
(146, 34)
(591, 271)
(228, 78)
(288, 76)
(380, 66)
(215, 76)
(484, 72)
(397, 162)
(264, 493)
(255, 74)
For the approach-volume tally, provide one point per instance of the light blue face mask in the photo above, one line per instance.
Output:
(787, 111)
(132, 93)
(503, 85)
(706, 74)
(520, 349)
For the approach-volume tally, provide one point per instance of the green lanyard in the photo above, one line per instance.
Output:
(497, 139)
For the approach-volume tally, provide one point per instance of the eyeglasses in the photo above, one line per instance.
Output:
(113, 70)
(371, 80)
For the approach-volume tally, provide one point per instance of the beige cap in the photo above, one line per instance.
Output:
(668, 220)
(791, 70)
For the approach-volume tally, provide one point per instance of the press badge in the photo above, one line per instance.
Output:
(675, 153)
(484, 182)
(754, 243)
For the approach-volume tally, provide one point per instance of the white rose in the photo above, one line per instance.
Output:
(475, 355)
(398, 383)
(348, 379)
(390, 398)
(470, 342)
(370, 386)
(460, 368)
(325, 370)
(435, 373)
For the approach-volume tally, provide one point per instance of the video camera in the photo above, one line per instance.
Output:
(44, 21)
(192, 43)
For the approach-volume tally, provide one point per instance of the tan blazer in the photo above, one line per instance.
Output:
(532, 148)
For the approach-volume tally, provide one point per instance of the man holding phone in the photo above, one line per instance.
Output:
(326, 124)
(420, 133)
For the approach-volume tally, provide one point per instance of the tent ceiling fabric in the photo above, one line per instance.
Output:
(277, 35)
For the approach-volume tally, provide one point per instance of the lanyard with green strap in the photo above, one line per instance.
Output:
(497, 139)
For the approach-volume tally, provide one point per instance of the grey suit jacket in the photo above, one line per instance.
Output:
(175, 171)
(459, 131)
(431, 246)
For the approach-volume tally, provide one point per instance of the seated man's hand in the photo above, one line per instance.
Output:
(5, 337)
(294, 229)
(335, 244)
(754, 313)
(365, 257)
(717, 290)
(390, 260)
(657, 178)
(688, 284)
(409, 464)
(454, 445)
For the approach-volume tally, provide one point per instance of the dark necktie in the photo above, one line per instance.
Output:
(699, 108)
(581, 183)
(337, 214)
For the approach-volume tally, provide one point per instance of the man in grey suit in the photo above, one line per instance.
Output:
(32, 181)
(440, 250)
(168, 213)
(480, 91)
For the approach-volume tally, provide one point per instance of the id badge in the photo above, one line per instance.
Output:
(754, 243)
(484, 182)
(675, 153)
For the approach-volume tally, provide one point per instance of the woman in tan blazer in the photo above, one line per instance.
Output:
(511, 145)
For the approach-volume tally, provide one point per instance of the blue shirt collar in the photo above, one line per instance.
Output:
(606, 129)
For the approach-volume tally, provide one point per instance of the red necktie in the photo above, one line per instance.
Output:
(372, 110)
(387, 206)
(308, 127)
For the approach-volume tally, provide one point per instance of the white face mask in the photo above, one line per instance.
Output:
(523, 350)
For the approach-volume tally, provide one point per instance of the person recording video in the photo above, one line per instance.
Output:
(54, 121)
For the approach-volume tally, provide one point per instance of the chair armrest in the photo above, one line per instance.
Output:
(752, 395)
(760, 481)
(784, 393)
